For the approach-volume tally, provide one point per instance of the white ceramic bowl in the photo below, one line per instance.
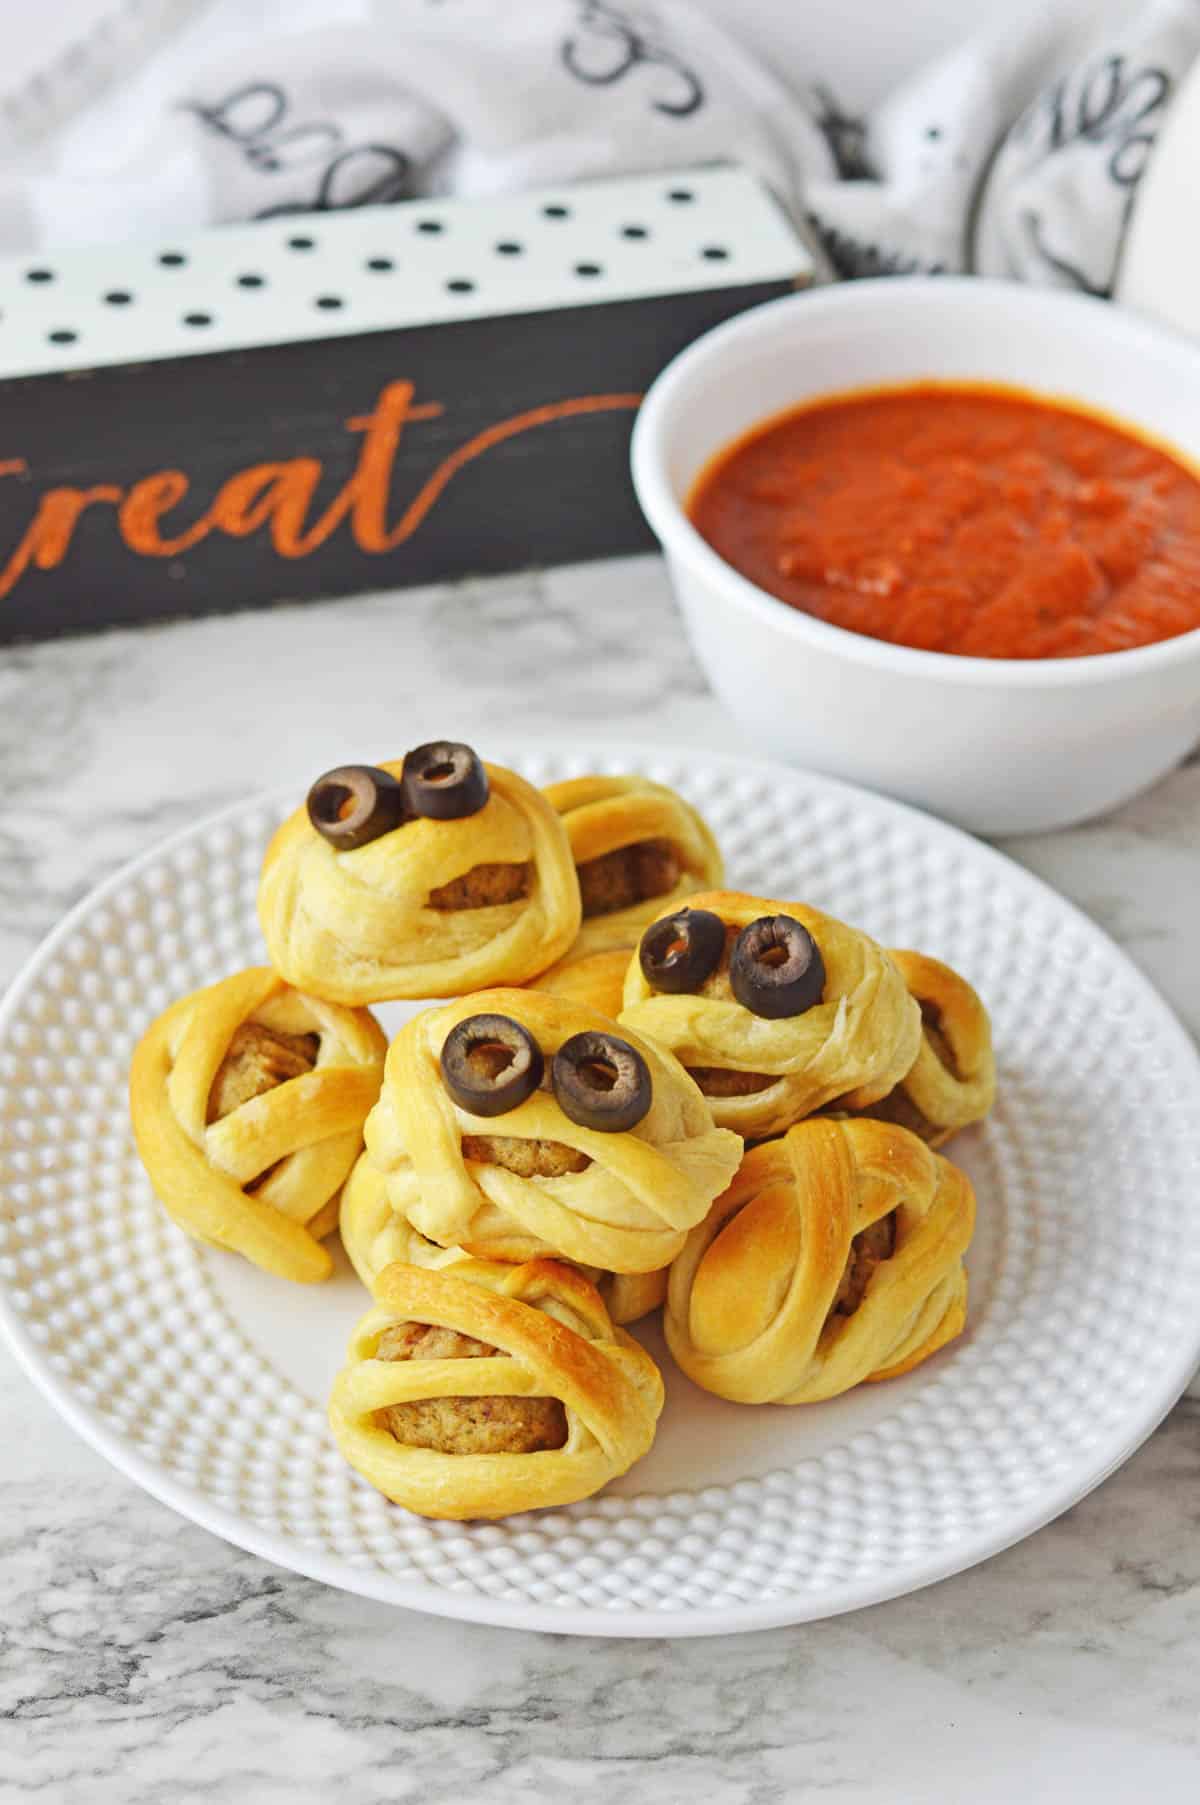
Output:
(997, 745)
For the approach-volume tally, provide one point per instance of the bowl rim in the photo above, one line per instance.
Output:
(1107, 322)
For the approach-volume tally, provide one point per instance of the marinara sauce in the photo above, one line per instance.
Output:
(961, 518)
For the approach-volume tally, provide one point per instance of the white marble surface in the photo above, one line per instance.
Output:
(142, 1662)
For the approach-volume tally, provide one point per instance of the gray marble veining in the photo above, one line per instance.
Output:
(143, 1662)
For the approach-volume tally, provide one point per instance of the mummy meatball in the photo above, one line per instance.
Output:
(952, 1081)
(248, 1102)
(638, 847)
(773, 1008)
(430, 876)
(515, 1125)
(485, 1389)
(835, 1256)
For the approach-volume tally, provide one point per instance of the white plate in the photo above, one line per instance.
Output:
(205, 1380)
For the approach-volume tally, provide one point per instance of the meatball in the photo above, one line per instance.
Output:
(428, 1341)
(935, 1035)
(628, 875)
(719, 1081)
(867, 1251)
(258, 1059)
(899, 1108)
(483, 887)
(487, 1425)
(528, 1159)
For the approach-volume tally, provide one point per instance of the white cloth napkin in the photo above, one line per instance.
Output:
(1000, 156)
(459, 97)
(1063, 183)
(924, 153)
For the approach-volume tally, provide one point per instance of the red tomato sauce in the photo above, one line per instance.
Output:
(961, 518)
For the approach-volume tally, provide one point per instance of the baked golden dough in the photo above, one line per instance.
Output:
(375, 1237)
(596, 980)
(554, 1341)
(639, 849)
(628, 1296)
(215, 1109)
(855, 1045)
(953, 1081)
(627, 1211)
(358, 926)
(775, 1301)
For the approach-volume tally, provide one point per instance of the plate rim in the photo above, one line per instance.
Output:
(576, 1619)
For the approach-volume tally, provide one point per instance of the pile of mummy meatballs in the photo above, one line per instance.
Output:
(646, 1092)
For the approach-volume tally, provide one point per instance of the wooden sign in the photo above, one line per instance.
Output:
(360, 458)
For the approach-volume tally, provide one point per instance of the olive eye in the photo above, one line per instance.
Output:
(490, 1064)
(354, 804)
(680, 951)
(444, 781)
(776, 968)
(601, 1082)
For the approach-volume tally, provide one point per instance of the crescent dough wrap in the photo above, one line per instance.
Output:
(597, 980)
(953, 1081)
(358, 926)
(604, 817)
(855, 1045)
(305, 1132)
(751, 1301)
(553, 1339)
(628, 1211)
(375, 1237)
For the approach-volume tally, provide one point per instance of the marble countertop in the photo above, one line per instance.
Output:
(146, 1663)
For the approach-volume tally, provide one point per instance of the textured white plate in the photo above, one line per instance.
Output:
(205, 1380)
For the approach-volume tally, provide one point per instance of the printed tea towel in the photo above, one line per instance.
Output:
(1061, 189)
(1017, 153)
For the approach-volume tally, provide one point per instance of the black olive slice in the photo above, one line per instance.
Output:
(680, 951)
(601, 1082)
(776, 968)
(354, 804)
(444, 781)
(490, 1064)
